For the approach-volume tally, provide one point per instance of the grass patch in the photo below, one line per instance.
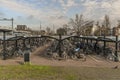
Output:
(36, 72)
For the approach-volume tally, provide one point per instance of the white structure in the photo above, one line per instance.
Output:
(94, 28)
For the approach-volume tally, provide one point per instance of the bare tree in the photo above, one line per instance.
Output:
(61, 31)
(65, 27)
(48, 30)
(107, 22)
(118, 23)
(77, 23)
(80, 26)
(106, 25)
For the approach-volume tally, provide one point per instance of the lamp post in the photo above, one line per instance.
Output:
(5, 19)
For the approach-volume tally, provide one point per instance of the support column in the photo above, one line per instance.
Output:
(24, 45)
(29, 41)
(4, 46)
(87, 41)
(116, 49)
(16, 43)
(104, 44)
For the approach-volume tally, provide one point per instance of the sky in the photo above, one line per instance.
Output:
(56, 12)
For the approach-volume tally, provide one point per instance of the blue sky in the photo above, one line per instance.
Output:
(57, 12)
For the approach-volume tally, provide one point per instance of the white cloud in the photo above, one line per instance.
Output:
(95, 9)
(71, 3)
(2, 14)
(66, 4)
(92, 9)
(106, 5)
(39, 14)
(89, 3)
(25, 9)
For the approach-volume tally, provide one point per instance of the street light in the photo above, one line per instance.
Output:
(5, 19)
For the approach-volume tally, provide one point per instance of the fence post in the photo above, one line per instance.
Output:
(87, 41)
(59, 44)
(24, 45)
(29, 41)
(16, 42)
(116, 49)
(104, 44)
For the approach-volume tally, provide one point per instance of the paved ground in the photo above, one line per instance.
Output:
(37, 59)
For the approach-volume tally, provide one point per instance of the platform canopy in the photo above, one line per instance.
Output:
(16, 38)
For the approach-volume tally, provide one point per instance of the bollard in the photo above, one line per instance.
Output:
(27, 55)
